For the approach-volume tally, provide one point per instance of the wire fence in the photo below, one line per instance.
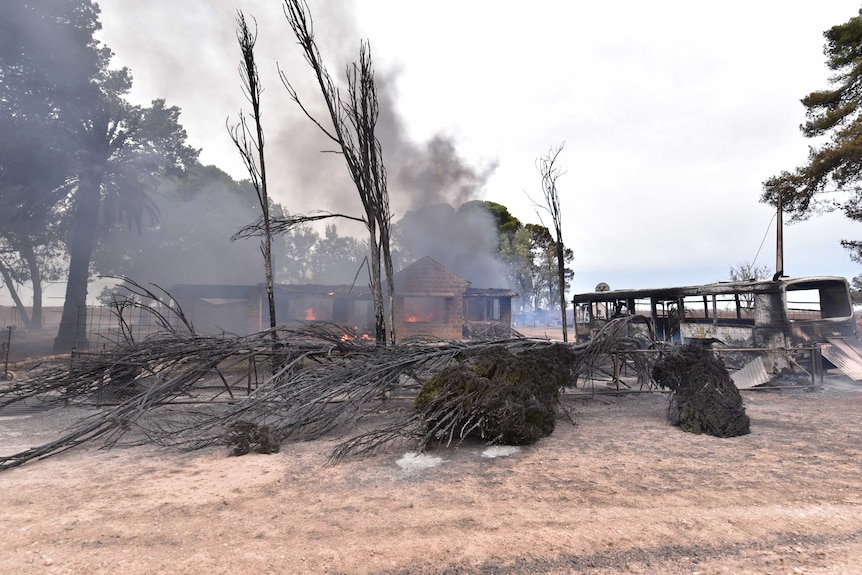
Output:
(105, 325)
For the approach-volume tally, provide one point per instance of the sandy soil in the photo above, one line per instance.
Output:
(619, 492)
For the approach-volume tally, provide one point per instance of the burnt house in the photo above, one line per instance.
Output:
(214, 308)
(242, 309)
(430, 301)
(433, 301)
(341, 304)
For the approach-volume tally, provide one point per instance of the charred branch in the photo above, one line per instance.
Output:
(285, 225)
(323, 379)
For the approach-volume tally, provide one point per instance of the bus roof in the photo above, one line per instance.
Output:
(719, 288)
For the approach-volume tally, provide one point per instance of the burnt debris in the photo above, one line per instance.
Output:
(704, 398)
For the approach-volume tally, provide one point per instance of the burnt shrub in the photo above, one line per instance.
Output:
(244, 437)
(497, 395)
(703, 398)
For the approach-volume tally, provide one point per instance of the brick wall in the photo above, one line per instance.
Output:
(427, 278)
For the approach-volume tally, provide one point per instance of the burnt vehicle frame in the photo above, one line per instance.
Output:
(805, 313)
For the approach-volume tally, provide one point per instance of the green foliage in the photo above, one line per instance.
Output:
(502, 397)
(199, 210)
(833, 113)
(545, 293)
(507, 224)
(92, 157)
(518, 259)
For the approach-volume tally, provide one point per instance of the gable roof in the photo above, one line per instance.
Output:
(427, 276)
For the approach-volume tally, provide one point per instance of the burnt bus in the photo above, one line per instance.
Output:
(785, 313)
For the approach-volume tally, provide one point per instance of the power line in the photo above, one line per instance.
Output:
(769, 225)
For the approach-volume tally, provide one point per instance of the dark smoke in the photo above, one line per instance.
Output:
(419, 173)
(464, 240)
(202, 79)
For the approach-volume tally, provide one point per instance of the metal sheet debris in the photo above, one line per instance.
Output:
(752, 373)
(846, 354)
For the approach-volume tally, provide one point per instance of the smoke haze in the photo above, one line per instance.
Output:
(463, 240)
(190, 245)
(301, 176)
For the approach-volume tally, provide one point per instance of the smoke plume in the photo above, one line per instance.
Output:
(303, 174)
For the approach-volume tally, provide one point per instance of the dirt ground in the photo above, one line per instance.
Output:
(621, 491)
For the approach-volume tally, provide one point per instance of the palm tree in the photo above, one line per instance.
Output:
(123, 150)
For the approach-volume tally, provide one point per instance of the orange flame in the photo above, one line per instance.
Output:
(363, 337)
(309, 314)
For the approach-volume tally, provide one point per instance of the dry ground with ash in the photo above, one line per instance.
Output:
(619, 492)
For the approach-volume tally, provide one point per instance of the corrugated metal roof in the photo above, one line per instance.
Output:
(753, 373)
(845, 355)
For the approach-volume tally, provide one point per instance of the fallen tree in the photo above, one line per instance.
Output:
(185, 390)
(503, 397)
(703, 398)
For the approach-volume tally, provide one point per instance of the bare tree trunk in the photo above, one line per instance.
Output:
(19, 305)
(73, 323)
(255, 162)
(377, 290)
(390, 287)
(561, 274)
(354, 131)
(29, 255)
(550, 172)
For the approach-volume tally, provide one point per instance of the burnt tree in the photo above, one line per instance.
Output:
(251, 148)
(353, 131)
(550, 172)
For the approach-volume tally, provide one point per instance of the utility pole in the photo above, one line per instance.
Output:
(779, 243)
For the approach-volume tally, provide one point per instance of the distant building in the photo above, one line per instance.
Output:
(430, 301)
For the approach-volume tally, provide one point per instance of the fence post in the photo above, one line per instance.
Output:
(816, 365)
(6, 345)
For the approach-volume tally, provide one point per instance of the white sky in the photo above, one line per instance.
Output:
(673, 113)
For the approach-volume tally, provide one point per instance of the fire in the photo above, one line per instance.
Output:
(363, 337)
(309, 314)
(411, 319)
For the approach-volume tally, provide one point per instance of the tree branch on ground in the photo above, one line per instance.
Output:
(169, 389)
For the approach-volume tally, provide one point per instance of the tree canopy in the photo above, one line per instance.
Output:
(834, 114)
(90, 157)
(832, 177)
